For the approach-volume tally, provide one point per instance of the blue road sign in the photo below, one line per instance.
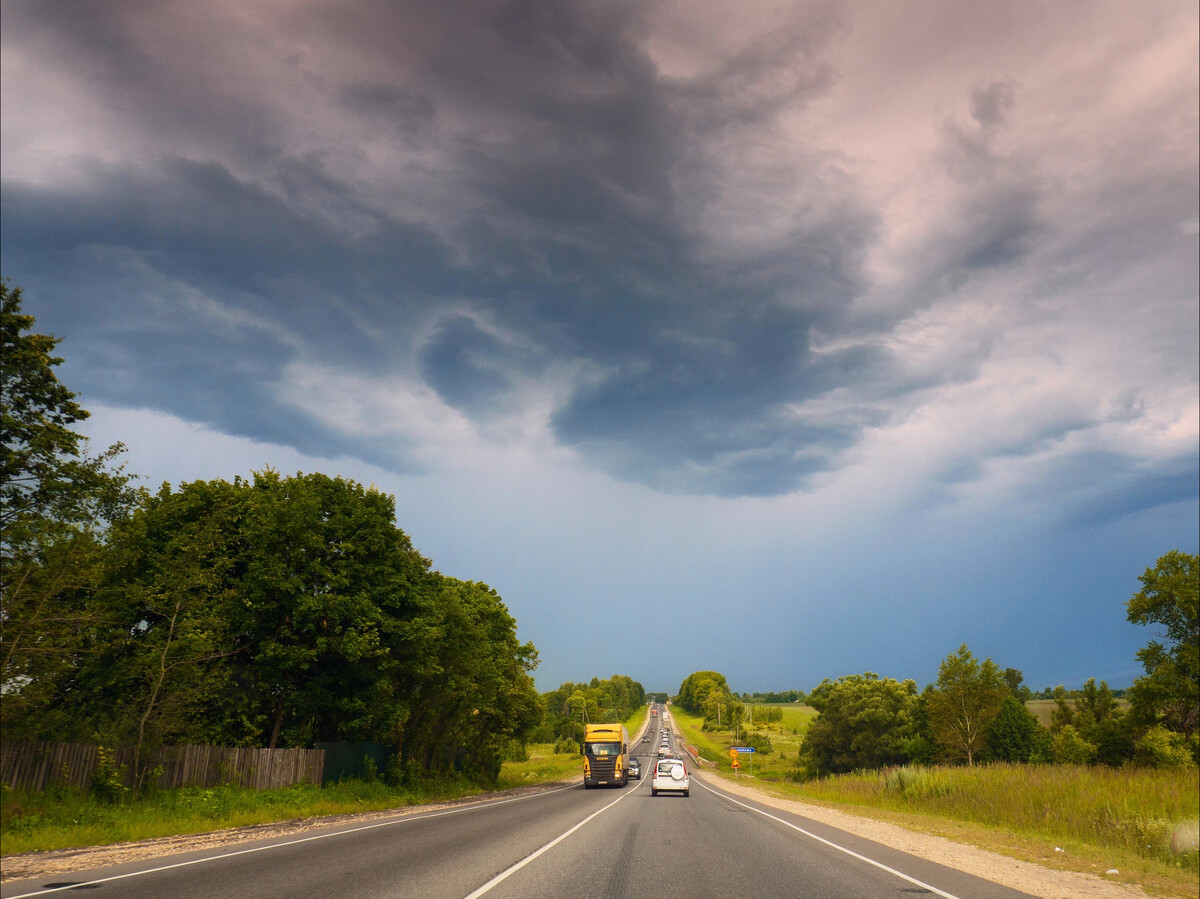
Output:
(744, 748)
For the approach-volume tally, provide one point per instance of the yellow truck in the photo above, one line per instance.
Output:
(605, 755)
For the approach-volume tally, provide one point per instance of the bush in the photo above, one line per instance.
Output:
(517, 751)
(108, 781)
(1070, 748)
(566, 747)
(1162, 748)
(760, 743)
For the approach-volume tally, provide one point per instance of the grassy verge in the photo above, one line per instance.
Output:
(67, 819)
(1142, 822)
(544, 765)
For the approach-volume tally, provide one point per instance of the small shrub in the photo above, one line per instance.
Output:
(517, 751)
(370, 770)
(108, 781)
(1070, 748)
(393, 775)
(759, 742)
(1161, 748)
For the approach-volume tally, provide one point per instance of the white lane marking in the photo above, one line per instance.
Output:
(832, 845)
(322, 836)
(504, 875)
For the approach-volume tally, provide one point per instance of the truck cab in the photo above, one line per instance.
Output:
(605, 755)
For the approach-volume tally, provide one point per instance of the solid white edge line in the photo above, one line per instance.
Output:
(323, 836)
(832, 845)
(504, 875)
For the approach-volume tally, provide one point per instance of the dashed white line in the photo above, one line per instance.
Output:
(504, 875)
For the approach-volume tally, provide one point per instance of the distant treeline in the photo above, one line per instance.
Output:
(572, 705)
(785, 696)
(976, 711)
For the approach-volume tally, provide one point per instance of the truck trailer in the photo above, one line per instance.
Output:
(605, 755)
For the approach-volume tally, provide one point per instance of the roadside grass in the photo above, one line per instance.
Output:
(785, 736)
(61, 818)
(1143, 822)
(544, 765)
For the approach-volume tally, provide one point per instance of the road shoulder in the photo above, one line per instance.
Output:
(66, 861)
(1027, 877)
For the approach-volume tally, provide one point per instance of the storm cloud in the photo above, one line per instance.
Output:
(700, 251)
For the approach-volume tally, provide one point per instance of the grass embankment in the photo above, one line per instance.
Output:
(1142, 822)
(66, 819)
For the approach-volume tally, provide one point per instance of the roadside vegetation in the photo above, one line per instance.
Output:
(66, 818)
(1139, 821)
(1090, 781)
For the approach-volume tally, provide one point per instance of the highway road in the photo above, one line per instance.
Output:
(564, 842)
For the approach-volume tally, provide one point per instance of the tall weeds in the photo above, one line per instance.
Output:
(1149, 812)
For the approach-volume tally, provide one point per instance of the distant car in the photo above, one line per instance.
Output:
(664, 752)
(670, 776)
(635, 769)
(646, 739)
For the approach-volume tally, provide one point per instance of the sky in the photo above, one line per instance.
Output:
(786, 340)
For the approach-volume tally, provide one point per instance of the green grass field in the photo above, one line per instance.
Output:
(1042, 708)
(1143, 822)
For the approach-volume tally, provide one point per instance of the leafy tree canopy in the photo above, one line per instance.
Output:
(967, 698)
(864, 721)
(1169, 693)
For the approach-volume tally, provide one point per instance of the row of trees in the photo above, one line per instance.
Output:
(572, 705)
(274, 611)
(976, 711)
(972, 715)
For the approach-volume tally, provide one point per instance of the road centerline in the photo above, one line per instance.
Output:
(514, 868)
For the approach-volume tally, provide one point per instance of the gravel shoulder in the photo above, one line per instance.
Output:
(1027, 877)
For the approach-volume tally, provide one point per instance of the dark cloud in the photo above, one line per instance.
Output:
(466, 365)
(478, 191)
(1102, 487)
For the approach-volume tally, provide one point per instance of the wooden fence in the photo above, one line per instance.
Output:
(35, 766)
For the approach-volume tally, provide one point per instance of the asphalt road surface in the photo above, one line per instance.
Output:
(568, 842)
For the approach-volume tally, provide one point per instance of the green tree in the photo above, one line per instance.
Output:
(55, 502)
(1070, 747)
(482, 696)
(697, 687)
(1162, 748)
(1169, 693)
(167, 591)
(863, 721)
(966, 700)
(45, 472)
(1015, 734)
